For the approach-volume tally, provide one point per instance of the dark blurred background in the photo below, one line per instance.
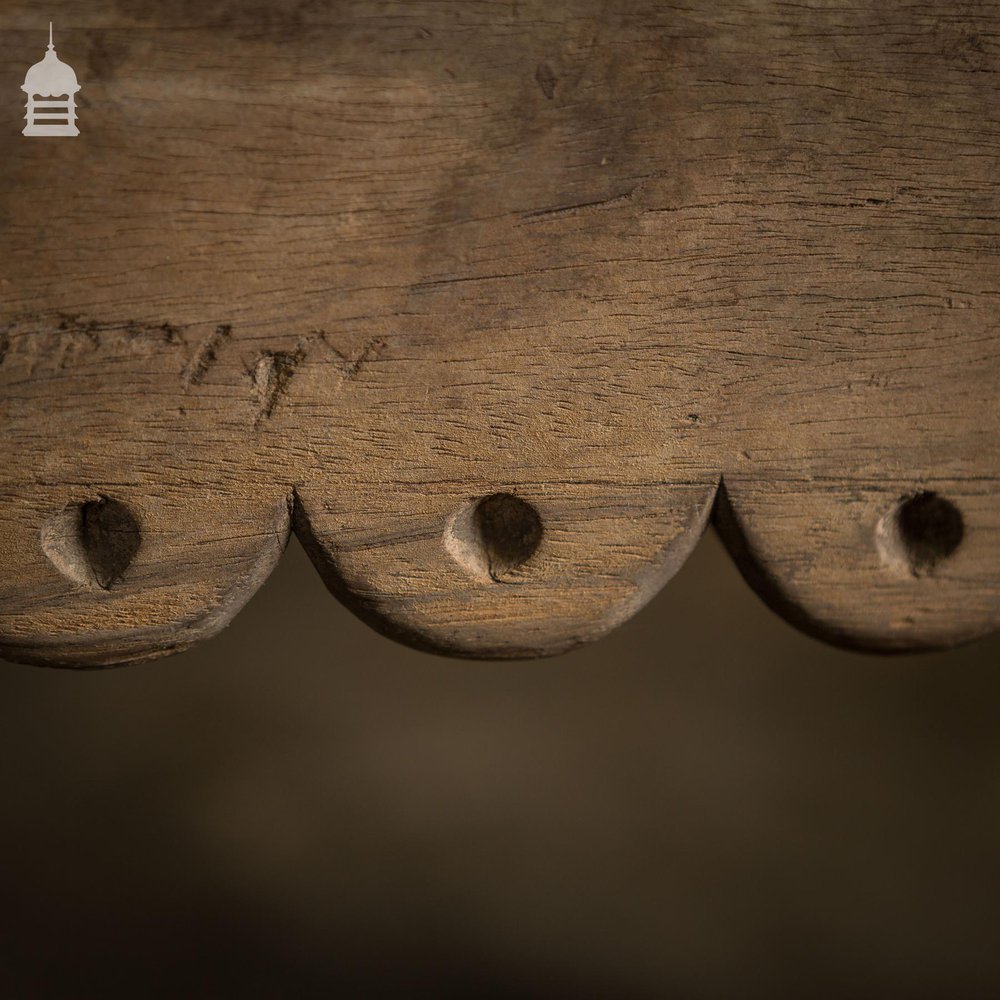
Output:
(706, 804)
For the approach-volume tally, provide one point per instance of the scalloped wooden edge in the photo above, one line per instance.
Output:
(106, 648)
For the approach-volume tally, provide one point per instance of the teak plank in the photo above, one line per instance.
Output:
(495, 304)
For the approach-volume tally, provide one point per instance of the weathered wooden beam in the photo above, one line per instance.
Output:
(494, 304)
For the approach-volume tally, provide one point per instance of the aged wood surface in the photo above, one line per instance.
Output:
(485, 300)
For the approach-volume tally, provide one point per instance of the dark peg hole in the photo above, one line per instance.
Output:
(509, 532)
(93, 543)
(929, 528)
(110, 536)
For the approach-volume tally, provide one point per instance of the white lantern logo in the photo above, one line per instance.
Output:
(51, 78)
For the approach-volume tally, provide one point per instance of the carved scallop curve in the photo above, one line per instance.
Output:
(128, 528)
(421, 569)
(491, 298)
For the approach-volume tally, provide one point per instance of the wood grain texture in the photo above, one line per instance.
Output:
(356, 267)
